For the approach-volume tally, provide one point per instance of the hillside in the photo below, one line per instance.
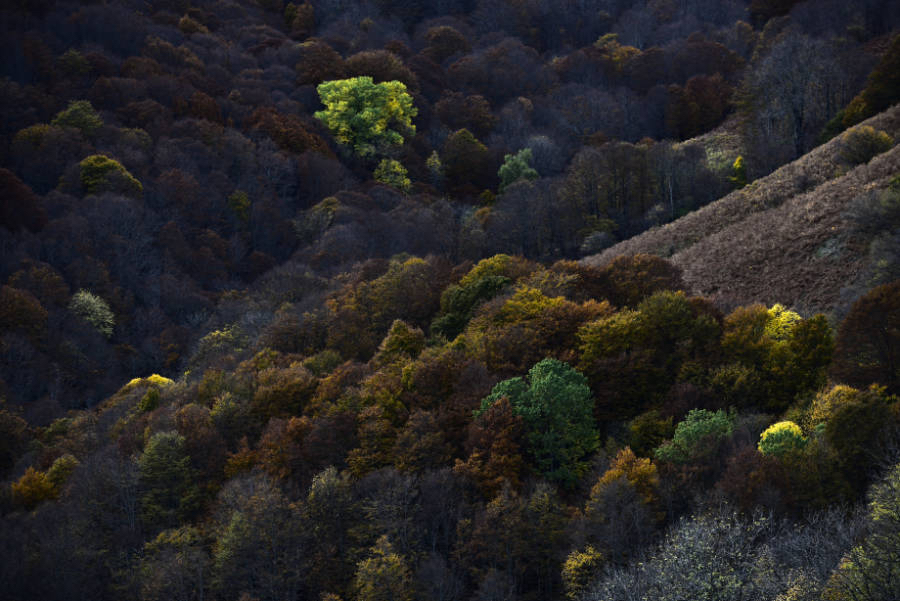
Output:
(292, 305)
(788, 237)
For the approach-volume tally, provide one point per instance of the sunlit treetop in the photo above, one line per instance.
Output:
(366, 116)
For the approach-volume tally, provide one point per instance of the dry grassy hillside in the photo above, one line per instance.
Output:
(784, 238)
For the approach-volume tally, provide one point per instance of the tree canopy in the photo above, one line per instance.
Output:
(556, 404)
(366, 116)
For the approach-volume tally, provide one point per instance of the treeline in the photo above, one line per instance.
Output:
(497, 430)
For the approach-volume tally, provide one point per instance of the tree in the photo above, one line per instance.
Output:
(368, 117)
(330, 514)
(99, 173)
(515, 167)
(19, 206)
(392, 173)
(870, 571)
(882, 89)
(787, 354)
(173, 566)
(94, 310)
(868, 341)
(33, 488)
(787, 98)
(80, 115)
(495, 442)
(170, 492)
(707, 557)
(781, 438)
(467, 163)
(697, 436)
(384, 576)
(555, 402)
(579, 571)
(258, 549)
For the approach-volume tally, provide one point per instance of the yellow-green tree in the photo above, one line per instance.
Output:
(384, 576)
(392, 173)
(781, 438)
(99, 173)
(366, 116)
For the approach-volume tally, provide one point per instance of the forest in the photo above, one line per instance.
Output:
(359, 300)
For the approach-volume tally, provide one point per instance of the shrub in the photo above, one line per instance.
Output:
(93, 310)
(861, 144)
(781, 438)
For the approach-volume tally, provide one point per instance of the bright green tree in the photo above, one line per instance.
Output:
(366, 116)
(556, 404)
(515, 167)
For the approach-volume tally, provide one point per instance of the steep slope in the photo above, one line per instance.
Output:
(785, 238)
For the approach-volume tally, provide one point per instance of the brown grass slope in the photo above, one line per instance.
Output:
(784, 238)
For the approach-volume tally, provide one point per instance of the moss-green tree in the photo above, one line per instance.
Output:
(556, 404)
(99, 173)
(169, 492)
(80, 115)
(366, 116)
(697, 436)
